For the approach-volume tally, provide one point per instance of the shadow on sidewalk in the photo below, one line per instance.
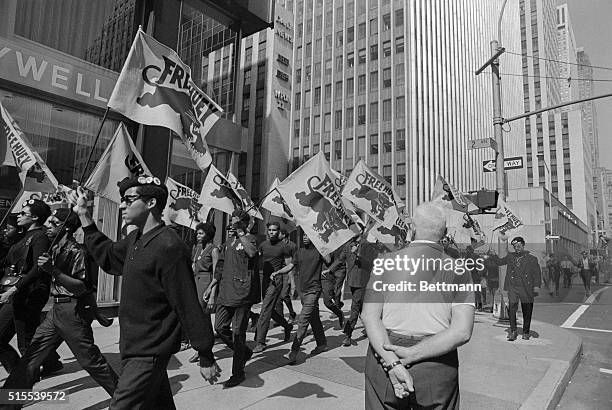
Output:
(301, 390)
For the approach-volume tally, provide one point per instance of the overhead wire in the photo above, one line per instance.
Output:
(558, 61)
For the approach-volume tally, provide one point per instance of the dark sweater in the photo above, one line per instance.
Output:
(158, 292)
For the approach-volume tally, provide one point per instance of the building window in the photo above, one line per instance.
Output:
(399, 44)
(387, 110)
(307, 99)
(374, 144)
(328, 92)
(315, 149)
(308, 50)
(361, 31)
(361, 114)
(386, 77)
(400, 174)
(338, 64)
(373, 26)
(349, 148)
(386, 22)
(307, 73)
(298, 75)
(328, 67)
(339, 39)
(338, 90)
(399, 74)
(387, 173)
(374, 52)
(400, 103)
(350, 34)
(350, 84)
(338, 120)
(306, 127)
(399, 18)
(327, 122)
(361, 84)
(326, 147)
(337, 150)
(361, 56)
(247, 78)
(374, 112)
(350, 59)
(328, 41)
(387, 48)
(400, 140)
(317, 96)
(387, 143)
(374, 81)
(348, 120)
(296, 129)
(298, 101)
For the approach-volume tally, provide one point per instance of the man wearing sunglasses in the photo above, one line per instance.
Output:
(523, 280)
(158, 294)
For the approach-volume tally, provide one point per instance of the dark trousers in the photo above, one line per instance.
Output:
(268, 310)
(143, 384)
(328, 286)
(555, 275)
(21, 317)
(69, 322)
(567, 277)
(585, 275)
(357, 295)
(309, 315)
(231, 325)
(526, 307)
(436, 383)
(286, 295)
(338, 282)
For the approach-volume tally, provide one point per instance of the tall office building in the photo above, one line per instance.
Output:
(547, 46)
(392, 82)
(607, 193)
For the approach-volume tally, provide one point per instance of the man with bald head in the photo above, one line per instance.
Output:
(415, 323)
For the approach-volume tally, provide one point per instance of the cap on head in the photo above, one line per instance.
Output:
(148, 186)
(70, 219)
(39, 209)
(518, 239)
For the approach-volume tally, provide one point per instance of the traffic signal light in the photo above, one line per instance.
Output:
(485, 199)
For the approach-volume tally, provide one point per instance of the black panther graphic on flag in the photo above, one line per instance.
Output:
(155, 88)
(218, 193)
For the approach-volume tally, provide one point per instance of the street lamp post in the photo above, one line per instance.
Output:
(541, 158)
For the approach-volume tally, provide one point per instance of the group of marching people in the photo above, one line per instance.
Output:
(168, 292)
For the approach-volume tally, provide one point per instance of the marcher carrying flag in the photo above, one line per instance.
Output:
(155, 88)
(119, 160)
(18, 152)
(314, 201)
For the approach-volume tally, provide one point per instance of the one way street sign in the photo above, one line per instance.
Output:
(509, 163)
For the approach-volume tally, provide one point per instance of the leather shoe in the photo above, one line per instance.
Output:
(512, 336)
(234, 381)
(51, 369)
(347, 341)
(319, 349)
(292, 357)
(526, 336)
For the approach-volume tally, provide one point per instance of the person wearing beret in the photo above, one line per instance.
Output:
(158, 295)
(73, 310)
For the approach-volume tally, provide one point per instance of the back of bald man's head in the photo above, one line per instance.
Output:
(429, 222)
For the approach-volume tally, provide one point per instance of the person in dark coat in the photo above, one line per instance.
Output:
(73, 310)
(158, 295)
(359, 261)
(11, 234)
(523, 281)
(23, 301)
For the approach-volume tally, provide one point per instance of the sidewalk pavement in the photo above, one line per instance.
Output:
(494, 373)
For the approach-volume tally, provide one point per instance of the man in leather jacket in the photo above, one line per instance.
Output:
(72, 312)
(523, 280)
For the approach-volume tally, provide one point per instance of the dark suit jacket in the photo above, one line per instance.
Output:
(522, 276)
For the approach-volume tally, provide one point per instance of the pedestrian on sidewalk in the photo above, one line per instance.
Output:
(22, 301)
(239, 289)
(72, 312)
(523, 280)
(566, 270)
(276, 257)
(158, 295)
(309, 264)
(205, 256)
(554, 270)
(412, 359)
(587, 268)
(359, 262)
